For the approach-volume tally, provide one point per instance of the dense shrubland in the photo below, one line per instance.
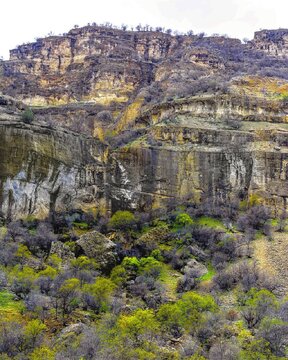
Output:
(182, 284)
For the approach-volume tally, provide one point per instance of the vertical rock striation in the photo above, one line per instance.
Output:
(209, 113)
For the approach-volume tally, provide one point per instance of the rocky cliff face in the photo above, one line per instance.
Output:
(273, 42)
(100, 66)
(44, 169)
(188, 115)
(201, 162)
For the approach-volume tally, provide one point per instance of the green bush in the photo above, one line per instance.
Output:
(149, 266)
(101, 291)
(131, 263)
(171, 319)
(27, 116)
(138, 326)
(118, 275)
(183, 220)
(122, 220)
(156, 254)
(187, 313)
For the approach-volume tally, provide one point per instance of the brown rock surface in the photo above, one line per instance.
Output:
(207, 120)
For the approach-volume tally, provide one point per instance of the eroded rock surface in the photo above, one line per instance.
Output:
(44, 170)
(209, 113)
(96, 246)
(63, 252)
(274, 42)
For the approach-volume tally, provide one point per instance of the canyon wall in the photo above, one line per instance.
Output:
(43, 170)
(207, 121)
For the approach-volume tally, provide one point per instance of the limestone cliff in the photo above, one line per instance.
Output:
(274, 42)
(129, 119)
(99, 65)
(44, 169)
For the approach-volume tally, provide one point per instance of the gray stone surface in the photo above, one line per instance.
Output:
(97, 246)
(63, 252)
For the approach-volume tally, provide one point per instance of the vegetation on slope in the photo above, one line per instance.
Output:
(182, 284)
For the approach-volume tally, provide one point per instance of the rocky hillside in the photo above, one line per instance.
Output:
(129, 119)
(273, 42)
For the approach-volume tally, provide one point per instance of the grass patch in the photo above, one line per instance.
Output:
(145, 229)
(136, 142)
(32, 232)
(81, 225)
(175, 228)
(209, 275)
(169, 278)
(165, 247)
(210, 222)
(3, 232)
(274, 222)
(6, 299)
(79, 231)
(258, 235)
(8, 304)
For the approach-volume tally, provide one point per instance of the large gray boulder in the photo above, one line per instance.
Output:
(195, 268)
(63, 252)
(97, 246)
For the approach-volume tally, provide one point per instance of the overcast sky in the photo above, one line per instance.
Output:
(24, 20)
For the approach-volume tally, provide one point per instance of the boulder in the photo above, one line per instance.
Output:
(70, 334)
(193, 266)
(63, 252)
(75, 329)
(197, 252)
(97, 246)
(151, 240)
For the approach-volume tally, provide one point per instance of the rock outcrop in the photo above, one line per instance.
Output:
(273, 42)
(44, 170)
(63, 252)
(96, 246)
(195, 267)
(100, 65)
(207, 119)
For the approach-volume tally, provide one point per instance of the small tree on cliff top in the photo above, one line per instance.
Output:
(27, 116)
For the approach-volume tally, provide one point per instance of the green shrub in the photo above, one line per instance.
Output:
(43, 353)
(138, 326)
(156, 254)
(27, 116)
(192, 306)
(118, 275)
(131, 263)
(122, 220)
(171, 319)
(187, 313)
(149, 266)
(101, 291)
(81, 225)
(183, 220)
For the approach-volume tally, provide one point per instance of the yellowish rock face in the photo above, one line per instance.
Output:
(176, 116)
(89, 65)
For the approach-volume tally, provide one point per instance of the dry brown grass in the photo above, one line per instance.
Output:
(272, 258)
